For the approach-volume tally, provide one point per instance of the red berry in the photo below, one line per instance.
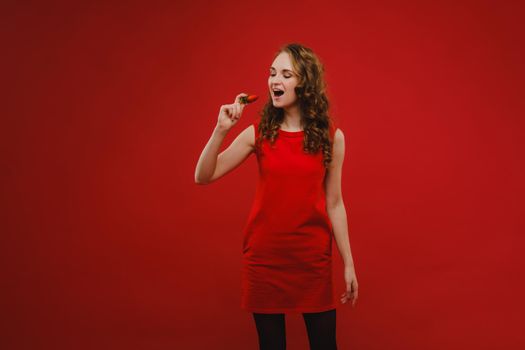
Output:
(248, 99)
(252, 98)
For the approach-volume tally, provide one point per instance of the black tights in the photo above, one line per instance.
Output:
(320, 327)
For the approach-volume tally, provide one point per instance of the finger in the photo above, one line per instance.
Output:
(231, 110)
(237, 99)
(241, 108)
(228, 111)
(237, 110)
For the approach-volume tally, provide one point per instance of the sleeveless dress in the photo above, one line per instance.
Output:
(287, 239)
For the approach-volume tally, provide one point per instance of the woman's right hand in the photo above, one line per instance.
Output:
(230, 114)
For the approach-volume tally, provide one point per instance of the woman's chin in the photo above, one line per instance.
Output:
(278, 102)
(281, 104)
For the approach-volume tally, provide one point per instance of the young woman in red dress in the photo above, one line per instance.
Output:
(298, 205)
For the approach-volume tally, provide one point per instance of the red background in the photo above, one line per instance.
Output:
(107, 243)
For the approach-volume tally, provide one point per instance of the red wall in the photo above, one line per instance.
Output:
(107, 243)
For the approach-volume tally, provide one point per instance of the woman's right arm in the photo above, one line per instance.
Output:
(211, 165)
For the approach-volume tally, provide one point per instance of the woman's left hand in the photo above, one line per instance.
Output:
(351, 286)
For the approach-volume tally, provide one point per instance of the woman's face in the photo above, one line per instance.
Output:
(283, 77)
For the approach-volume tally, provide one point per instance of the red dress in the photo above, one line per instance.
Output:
(287, 239)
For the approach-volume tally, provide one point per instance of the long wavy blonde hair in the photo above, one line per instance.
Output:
(313, 105)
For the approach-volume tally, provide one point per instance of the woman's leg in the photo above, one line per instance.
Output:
(321, 330)
(271, 331)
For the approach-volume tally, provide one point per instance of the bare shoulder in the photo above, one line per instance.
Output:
(338, 150)
(334, 172)
(339, 139)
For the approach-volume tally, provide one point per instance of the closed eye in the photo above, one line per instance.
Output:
(286, 76)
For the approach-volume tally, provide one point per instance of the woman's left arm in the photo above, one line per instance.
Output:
(336, 210)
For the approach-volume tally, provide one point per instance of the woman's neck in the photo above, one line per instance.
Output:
(292, 119)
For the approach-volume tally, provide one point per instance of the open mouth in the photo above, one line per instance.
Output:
(278, 93)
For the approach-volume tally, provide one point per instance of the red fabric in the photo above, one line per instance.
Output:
(287, 239)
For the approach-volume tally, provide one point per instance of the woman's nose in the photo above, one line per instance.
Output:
(275, 81)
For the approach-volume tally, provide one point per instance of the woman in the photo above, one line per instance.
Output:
(287, 264)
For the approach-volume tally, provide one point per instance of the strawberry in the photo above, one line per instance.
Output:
(248, 99)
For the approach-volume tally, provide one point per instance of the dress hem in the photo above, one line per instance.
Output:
(289, 310)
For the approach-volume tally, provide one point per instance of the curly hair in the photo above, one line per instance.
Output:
(312, 101)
